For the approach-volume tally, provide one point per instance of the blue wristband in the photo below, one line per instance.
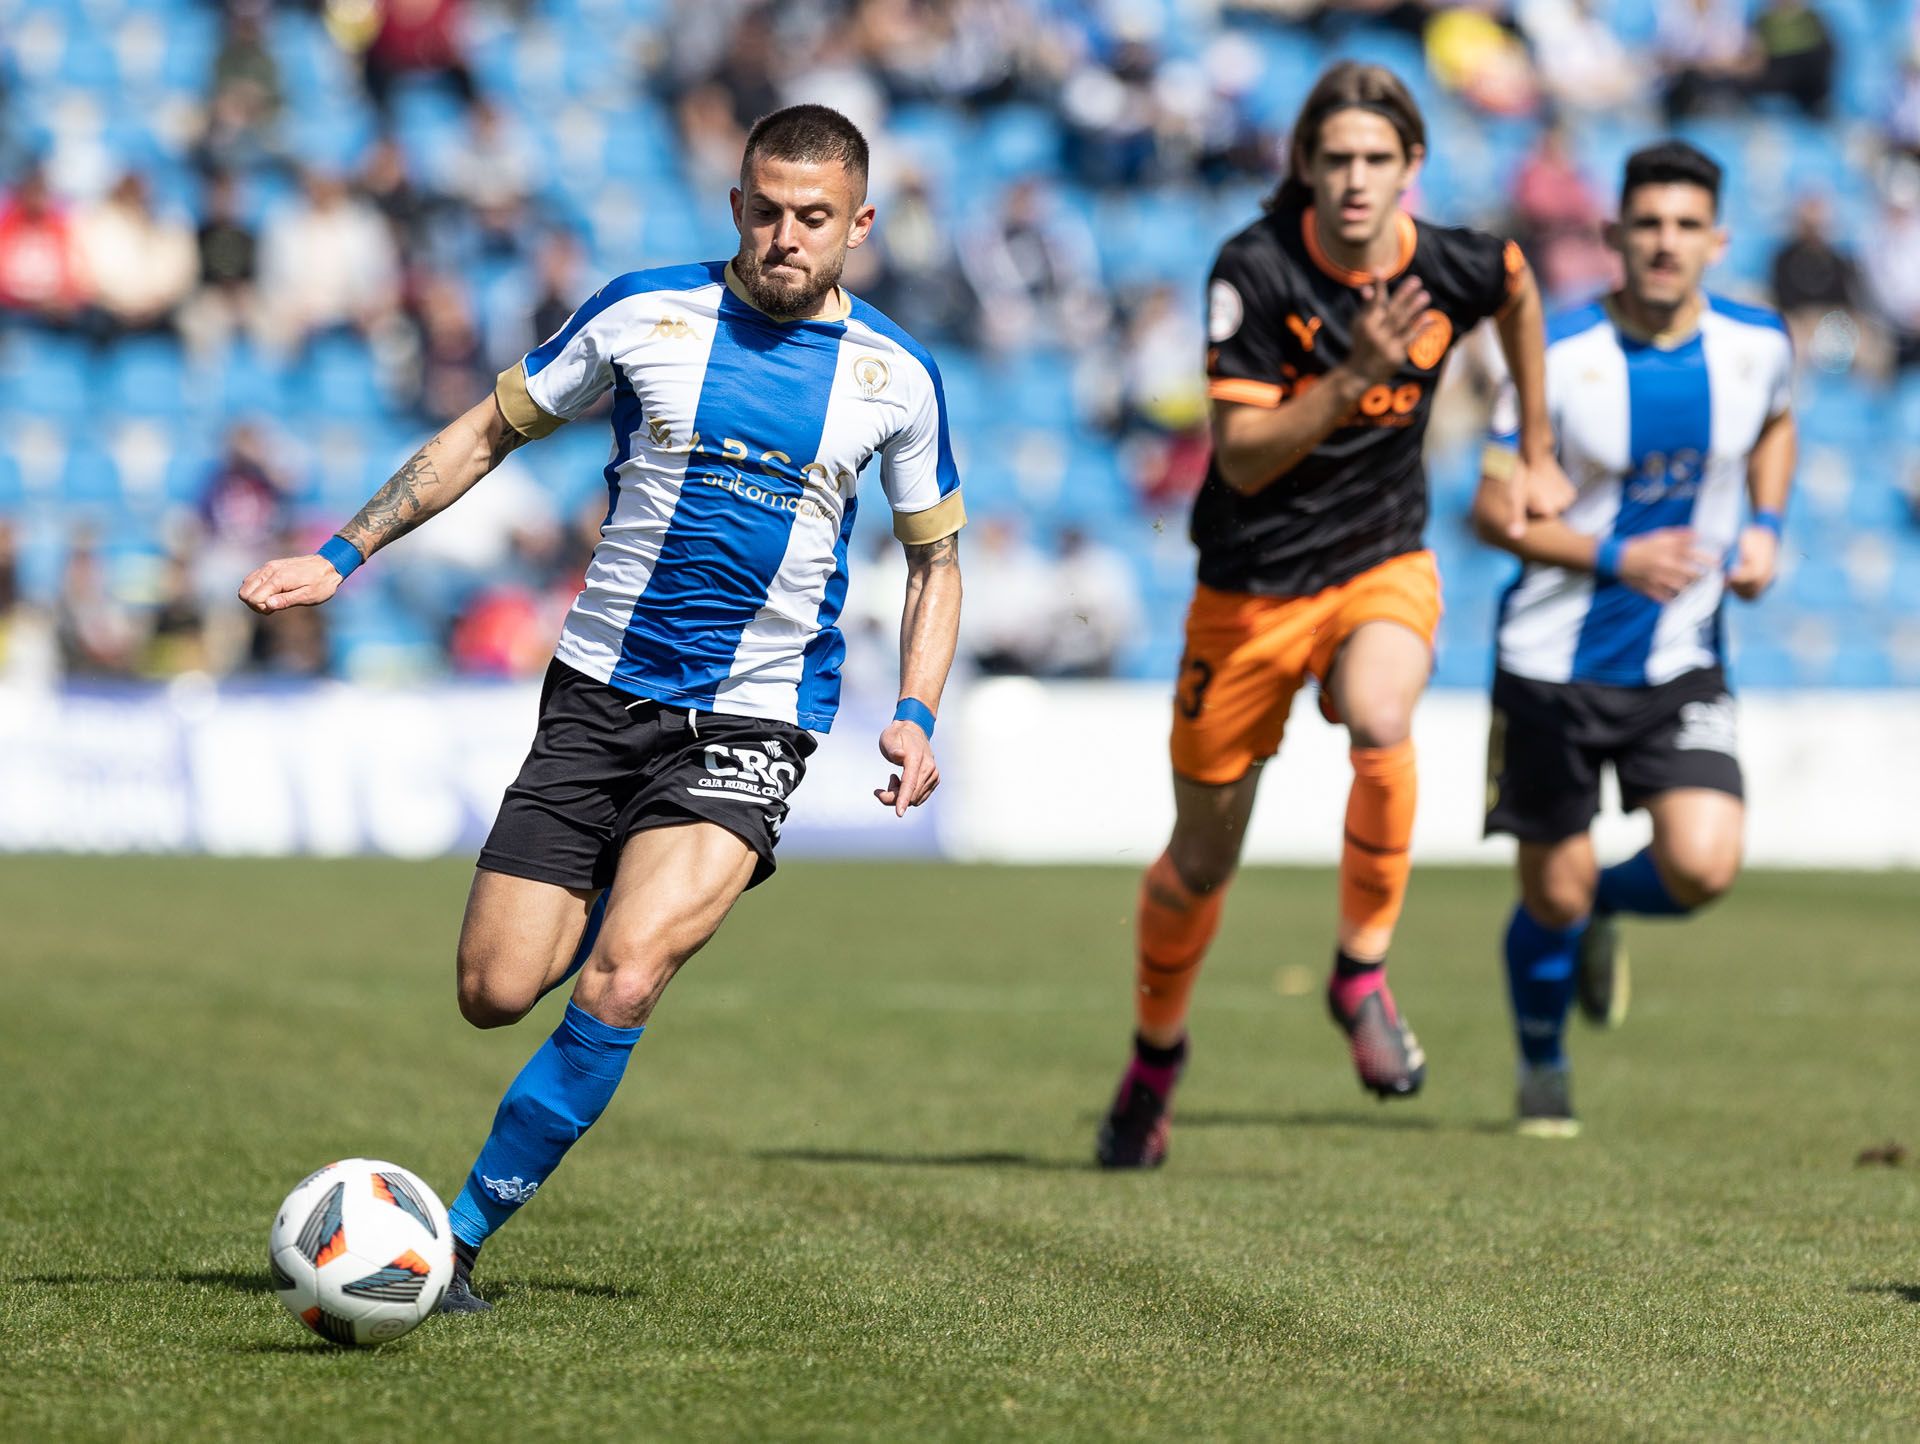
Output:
(1771, 521)
(912, 709)
(1606, 561)
(342, 553)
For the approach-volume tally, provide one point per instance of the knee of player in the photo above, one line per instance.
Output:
(1205, 863)
(1380, 724)
(1559, 903)
(1697, 878)
(487, 1003)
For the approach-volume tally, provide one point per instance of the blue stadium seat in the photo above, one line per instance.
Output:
(338, 380)
(144, 376)
(46, 373)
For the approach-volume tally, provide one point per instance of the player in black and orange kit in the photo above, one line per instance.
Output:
(1329, 319)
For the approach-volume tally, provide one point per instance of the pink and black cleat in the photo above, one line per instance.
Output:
(1386, 1055)
(1134, 1133)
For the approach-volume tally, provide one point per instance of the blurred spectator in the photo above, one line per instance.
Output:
(1097, 610)
(177, 638)
(1794, 53)
(526, 314)
(1817, 287)
(1903, 115)
(452, 371)
(1230, 142)
(142, 265)
(1473, 54)
(1037, 274)
(1892, 266)
(509, 627)
(387, 184)
(1702, 46)
(1557, 218)
(226, 303)
(1007, 627)
(1163, 385)
(1168, 470)
(97, 634)
(244, 63)
(243, 502)
(9, 584)
(41, 276)
(327, 262)
(492, 175)
(416, 37)
(748, 69)
(711, 138)
(1111, 112)
(1582, 64)
(912, 270)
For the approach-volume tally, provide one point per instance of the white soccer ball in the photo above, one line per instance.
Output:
(361, 1252)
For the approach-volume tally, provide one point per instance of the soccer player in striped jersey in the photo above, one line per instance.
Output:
(1331, 318)
(1669, 402)
(702, 654)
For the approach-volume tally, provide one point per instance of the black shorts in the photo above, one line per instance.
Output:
(1549, 739)
(605, 765)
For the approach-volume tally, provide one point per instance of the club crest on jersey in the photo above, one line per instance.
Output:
(1224, 311)
(1430, 342)
(871, 375)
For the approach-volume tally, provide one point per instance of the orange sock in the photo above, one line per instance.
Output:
(1175, 926)
(1375, 861)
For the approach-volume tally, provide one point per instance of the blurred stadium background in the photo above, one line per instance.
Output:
(251, 255)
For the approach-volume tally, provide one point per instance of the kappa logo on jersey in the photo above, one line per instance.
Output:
(671, 328)
(1304, 332)
(510, 1190)
(1225, 312)
(747, 774)
(1707, 727)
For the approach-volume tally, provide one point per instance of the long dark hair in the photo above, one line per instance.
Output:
(1349, 85)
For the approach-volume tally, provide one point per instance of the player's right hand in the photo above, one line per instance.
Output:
(290, 582)
(1384, 327)
(1662, 564)
(909, 749)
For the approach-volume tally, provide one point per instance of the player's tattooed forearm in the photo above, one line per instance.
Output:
(504, 443)
(396, 508)
(942, 553)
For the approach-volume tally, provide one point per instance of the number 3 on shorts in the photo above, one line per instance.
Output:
(1198, 675)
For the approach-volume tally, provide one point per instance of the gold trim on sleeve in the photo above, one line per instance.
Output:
(945, 517)
(523, 413)
(1498, 462)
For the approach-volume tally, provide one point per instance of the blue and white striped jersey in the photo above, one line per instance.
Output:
(1654, 435)
(738, 443)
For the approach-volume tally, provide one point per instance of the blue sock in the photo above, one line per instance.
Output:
(1540, 982)
(563, 1088)
(1634, 886)
(587, 939)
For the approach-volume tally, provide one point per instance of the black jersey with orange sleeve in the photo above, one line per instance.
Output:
(1280, 316)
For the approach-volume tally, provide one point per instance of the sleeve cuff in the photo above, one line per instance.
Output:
(945, 517)
(523, 413)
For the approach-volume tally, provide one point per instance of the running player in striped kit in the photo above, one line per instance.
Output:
(701, 655)
(1668, 403)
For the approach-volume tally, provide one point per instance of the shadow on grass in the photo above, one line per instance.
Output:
(997, 1159)
(1384, 1120)
(498, 1291)
(241, 1281)
(1909, 1292)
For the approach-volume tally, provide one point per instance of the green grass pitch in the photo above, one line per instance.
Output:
(845, 1192)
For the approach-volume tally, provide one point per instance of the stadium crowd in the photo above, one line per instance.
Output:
(250, 255)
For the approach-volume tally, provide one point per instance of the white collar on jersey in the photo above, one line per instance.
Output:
(842, 307)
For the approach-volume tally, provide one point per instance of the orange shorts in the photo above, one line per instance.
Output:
(1247, 655)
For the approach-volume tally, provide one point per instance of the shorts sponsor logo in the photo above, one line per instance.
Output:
(510, 1190)
(759, 775)
(1707, 727)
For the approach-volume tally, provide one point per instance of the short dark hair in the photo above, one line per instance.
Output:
(1349, 85)
(1671, 162)
(810, 134)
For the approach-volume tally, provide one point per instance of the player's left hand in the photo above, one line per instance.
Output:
(911, 750)
(1753, 568)
(1538, 490)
